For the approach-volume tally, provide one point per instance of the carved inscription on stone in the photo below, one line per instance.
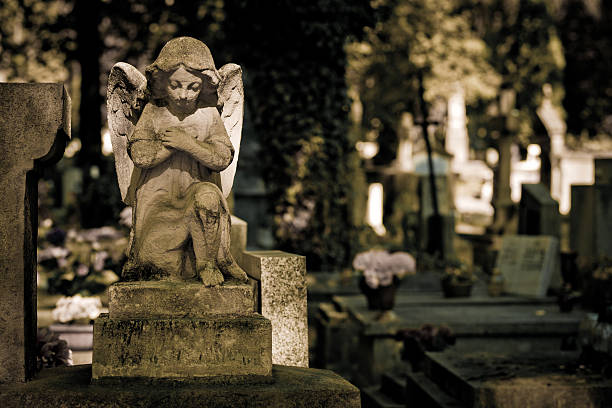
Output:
(529, 263)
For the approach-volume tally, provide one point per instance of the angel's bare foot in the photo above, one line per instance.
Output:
(209, 273)
(236, 272)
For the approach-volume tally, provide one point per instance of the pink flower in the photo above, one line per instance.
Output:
(379, 267)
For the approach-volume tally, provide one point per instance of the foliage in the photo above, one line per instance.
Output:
(525, 49)
(294, 81)
(431, 38)
(587, 41)
(34, 40)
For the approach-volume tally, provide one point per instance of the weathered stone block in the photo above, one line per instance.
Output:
(169, 299)
(34, 129)
(282, 278)
(226, 347)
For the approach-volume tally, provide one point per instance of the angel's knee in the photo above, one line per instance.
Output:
(207, 200)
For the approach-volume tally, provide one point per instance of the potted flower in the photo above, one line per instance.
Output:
(457, 279)
(382, 272)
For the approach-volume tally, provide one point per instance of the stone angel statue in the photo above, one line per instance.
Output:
(176, 135)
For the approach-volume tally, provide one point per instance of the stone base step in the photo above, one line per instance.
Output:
(421, 392)
(220, 348)
(372, 397)
(168, 299)
(295, 387)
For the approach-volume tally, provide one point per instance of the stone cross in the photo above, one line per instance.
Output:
(34, 129)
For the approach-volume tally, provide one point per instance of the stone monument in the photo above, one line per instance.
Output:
(183, 327)
(184, 308)
(34, 129)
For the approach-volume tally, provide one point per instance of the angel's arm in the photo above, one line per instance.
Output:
(215, 153)
(145, 147)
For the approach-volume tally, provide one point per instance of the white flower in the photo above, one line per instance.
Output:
(76, 307)
(52, 252)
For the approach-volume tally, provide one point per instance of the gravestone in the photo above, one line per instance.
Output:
(34, 129)
(603, 171)
(515, 379)
(529, 263)
(538, 211)
(591, 221)
(445, 208)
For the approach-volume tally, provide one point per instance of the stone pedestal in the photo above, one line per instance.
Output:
(182, 331)
(164, 299)
(227, 348)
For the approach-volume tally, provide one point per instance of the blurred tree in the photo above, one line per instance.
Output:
(434, 38)
(525, 49)
(34, 40)
(587, 38)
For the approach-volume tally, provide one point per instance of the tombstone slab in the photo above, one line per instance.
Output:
(34, 129)
(505, 380)
(529, 263)
(538, 211)
(222, 348)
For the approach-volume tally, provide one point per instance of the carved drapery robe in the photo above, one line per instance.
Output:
(168, 191)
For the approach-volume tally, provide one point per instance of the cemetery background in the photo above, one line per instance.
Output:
(306, 191)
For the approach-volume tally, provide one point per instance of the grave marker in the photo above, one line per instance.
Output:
(538, 211)
(34, 129)
(529, 263)
(591, 221)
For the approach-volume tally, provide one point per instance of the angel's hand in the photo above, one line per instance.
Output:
(177, 138)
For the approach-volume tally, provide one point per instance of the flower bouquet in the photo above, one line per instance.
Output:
(382, 272)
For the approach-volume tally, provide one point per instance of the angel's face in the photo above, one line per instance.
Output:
(183, 90)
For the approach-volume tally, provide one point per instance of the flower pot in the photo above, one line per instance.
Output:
(381, 298)
(456, 289)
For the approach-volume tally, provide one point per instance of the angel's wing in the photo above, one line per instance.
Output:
(125, 99)
(231, 107)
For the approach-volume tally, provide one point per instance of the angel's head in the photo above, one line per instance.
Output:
(184, 75)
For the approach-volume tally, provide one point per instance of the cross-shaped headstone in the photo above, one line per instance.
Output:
(34, 129)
